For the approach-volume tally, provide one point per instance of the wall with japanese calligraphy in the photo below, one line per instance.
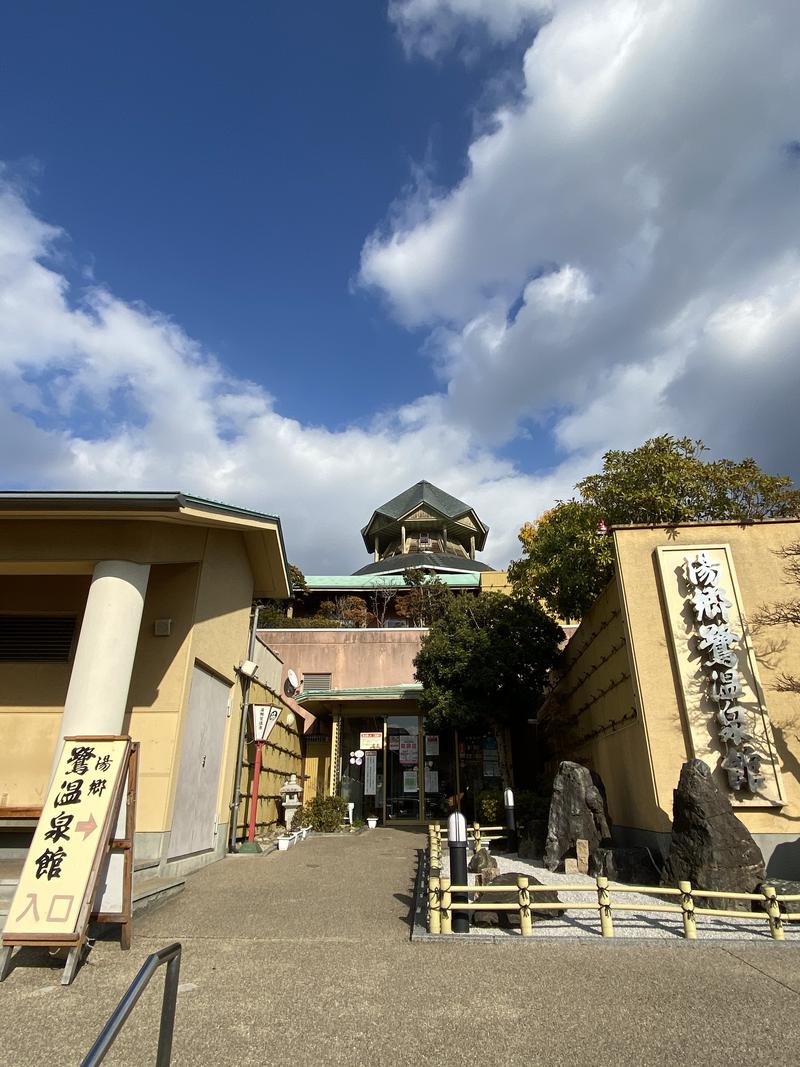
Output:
(690, 702)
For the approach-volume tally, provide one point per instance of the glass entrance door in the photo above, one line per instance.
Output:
(402, 761)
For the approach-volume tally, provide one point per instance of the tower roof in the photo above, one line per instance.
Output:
(424, 494)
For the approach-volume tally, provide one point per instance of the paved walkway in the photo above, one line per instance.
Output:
(304, 958)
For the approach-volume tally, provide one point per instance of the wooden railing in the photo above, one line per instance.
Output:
(441, 904)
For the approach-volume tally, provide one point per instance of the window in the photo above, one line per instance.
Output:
(36, 638)
(316, 681)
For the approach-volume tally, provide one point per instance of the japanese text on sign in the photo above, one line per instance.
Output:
(56, 874)
(718, 645)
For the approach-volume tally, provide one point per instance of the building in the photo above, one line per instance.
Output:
(668, 665)
(130, 613)
(370, 743)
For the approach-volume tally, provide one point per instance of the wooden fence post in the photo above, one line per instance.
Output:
(525, 924)
(604, 907)
(434, 905)
(774, 912)
(446, 913)
(476, 840)
(687, 907)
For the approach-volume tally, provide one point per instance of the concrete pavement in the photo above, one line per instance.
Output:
(304, 958)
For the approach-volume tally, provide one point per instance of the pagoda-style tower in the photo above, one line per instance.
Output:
(427, 528)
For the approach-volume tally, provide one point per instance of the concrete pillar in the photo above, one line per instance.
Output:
(101, 673)
(472, 547)
(403, 539)
(376, 553)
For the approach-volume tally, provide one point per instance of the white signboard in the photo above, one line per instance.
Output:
(264, 718)
(372, 739)
(432, 744)
(409, 750)
(51, 897)
(431, 781)
(370, 773)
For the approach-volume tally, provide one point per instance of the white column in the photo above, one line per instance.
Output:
(101, 673)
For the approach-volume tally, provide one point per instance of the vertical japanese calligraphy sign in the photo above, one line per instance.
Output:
(57, 886)
(689, 607)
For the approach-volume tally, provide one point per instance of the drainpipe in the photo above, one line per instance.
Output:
(237, 787)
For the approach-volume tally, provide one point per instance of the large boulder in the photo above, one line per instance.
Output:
(511, 918)
(577, 810)
(484, 866)
(710, 847)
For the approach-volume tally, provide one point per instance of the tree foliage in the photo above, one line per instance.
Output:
(664, 482)
(426, 600)
(485, 661)
(783, 613)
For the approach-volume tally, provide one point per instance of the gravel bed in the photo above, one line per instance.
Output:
(633, 924)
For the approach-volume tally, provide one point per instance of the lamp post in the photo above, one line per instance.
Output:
(511, 822)
(457, 846)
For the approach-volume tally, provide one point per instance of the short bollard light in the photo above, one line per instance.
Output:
(457, 844)
(511, 822)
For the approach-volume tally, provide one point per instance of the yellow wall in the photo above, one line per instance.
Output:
(32, 694)
(281, 756)
(206, 592)
(640, 761)
(762, 580)
(495, 582)
(592, 715)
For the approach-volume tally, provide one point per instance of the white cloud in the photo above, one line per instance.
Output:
(98, 393)
(646, 181)
(427, 26)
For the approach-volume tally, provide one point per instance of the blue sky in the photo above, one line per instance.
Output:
(298, 256)
(225, 167)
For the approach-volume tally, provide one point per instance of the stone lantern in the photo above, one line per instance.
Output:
(290, 797)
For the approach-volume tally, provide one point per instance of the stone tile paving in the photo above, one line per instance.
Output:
(630, 924)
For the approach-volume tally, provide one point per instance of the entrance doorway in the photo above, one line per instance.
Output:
(397, 768)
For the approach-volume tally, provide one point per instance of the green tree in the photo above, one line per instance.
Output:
(426, 600)
(484, 664)
(664, 482)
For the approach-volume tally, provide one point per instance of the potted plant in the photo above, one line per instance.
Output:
(284, 841)
(372, 821)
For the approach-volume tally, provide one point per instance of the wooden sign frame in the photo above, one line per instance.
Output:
(76, 941)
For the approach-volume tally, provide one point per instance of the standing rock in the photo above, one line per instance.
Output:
(577, 811)
(710, 847)
(484, 866)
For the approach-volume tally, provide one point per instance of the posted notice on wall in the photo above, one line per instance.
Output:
(371, 739)
(410, 782)
(431, 744)
(431, 781)
(370, 773)
(56, 877)
(409, 750)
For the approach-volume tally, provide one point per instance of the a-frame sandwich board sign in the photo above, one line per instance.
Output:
(75, 835)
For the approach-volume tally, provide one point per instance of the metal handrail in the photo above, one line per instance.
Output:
(171, 955)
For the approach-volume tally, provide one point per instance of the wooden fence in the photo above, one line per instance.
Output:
(441, 904)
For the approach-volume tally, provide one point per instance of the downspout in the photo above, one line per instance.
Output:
(237, 787)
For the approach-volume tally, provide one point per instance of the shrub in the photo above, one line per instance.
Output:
(530, 807)
(323, 814)
(489, 806)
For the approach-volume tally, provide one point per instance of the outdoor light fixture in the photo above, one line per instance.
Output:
(457, 829)
(249, 669)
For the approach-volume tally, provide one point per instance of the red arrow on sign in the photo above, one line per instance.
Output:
(87, 827)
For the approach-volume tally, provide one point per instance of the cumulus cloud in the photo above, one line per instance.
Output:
(620, 255)
(96, 393)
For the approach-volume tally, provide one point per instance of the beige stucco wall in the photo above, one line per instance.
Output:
(200, 578)
(282, 756)
(761, 579)
(495, 582)
(355, 659)
(592, 715)
(32, 694)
